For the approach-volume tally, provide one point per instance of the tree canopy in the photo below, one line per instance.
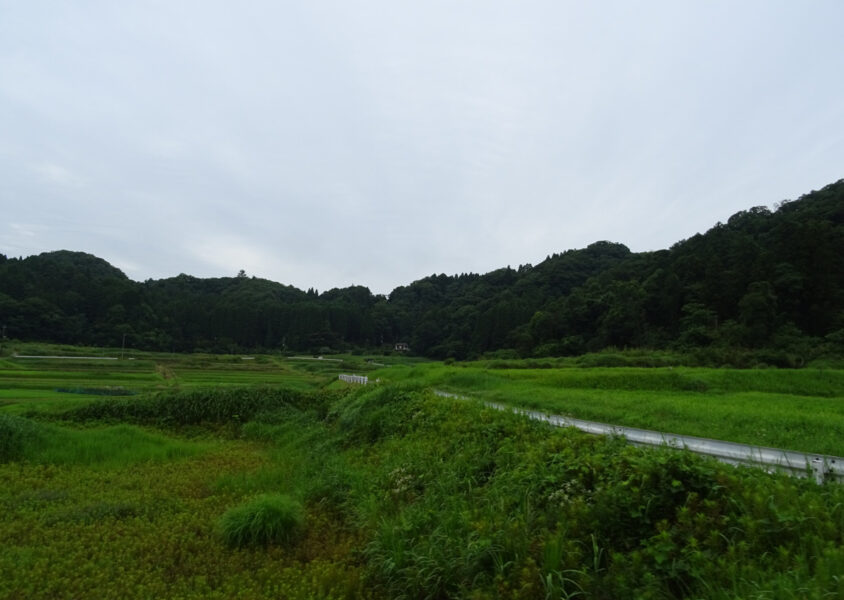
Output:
(764, 279)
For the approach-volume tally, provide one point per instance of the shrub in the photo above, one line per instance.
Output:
(218, 405)
(266, 519)
(17, 436)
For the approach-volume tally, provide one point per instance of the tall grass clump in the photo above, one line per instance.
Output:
(22, 439)
(17, 436)
(371, 415)
(110, 446)
(264, 520)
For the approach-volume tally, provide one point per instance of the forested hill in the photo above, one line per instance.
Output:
(764, 279)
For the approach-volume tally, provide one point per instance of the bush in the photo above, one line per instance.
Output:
(219, 405)
(17, 436)
(266, 519)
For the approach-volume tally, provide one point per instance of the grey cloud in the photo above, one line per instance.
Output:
(329, 143)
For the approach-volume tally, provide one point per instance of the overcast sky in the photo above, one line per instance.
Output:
(330, 143)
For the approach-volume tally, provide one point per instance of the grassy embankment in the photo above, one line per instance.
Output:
(390, 492)
(792, 409)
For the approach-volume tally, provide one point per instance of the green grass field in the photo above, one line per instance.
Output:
(792, 409)
(148, 530)
(28, 384)
(217, 477)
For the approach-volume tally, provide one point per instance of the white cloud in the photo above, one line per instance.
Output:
(329, 143)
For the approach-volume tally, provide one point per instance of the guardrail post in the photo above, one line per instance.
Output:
(818, 470)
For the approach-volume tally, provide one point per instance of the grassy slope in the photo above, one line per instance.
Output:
(793, 409)
(410, 495)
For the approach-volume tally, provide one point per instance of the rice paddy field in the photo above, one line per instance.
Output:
(201, 476)
(48, 377)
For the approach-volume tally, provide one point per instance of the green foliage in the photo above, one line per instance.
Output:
(476, 503)
(374, 414)
(267, 519)
(458, 501)
(26, 440)
(409, 495)
(794, 409)
(17, 436)
(72, 532)
(110, 446)
(739, 286)
(97, 391)
(221, 405)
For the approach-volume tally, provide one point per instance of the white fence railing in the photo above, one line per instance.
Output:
(821, 467)
(361, 379)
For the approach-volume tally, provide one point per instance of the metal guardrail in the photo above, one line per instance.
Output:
(361, 379)
(822, 467)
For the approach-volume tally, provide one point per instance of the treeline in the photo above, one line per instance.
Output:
(764, 280)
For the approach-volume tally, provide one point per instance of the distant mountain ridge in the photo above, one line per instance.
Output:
(764, 279)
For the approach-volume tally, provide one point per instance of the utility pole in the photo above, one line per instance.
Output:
(122, 346)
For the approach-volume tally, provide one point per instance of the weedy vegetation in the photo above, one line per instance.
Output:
(388, 491)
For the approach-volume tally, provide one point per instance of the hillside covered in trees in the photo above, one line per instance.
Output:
(764, 280)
